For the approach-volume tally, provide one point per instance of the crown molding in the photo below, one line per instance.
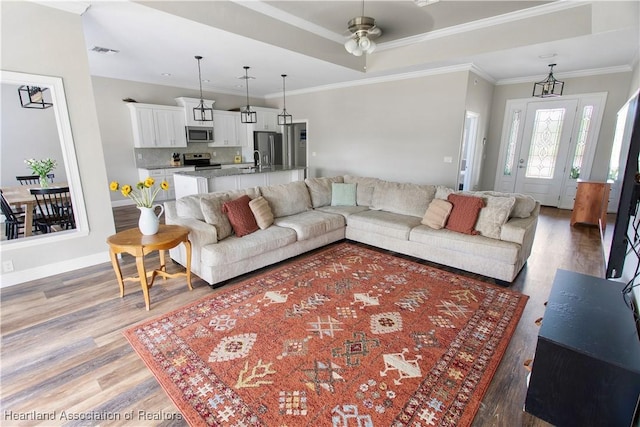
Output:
(381, 79)
(75, 7)
(482, 23)
(279, 14)
(567, 75)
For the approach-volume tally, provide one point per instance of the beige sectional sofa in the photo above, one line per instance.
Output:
(384, 214)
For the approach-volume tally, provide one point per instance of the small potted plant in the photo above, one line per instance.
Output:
(42, 168)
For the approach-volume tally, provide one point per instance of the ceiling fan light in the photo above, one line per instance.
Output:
(372, 46)
(357, 52)
(350, 45)
(364, 43)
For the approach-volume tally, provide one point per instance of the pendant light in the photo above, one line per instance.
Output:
(284, 118)
(201, 113)
(247, 115)
(33, 97)
(548, 87)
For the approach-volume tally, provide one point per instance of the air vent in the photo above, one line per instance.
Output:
(104, 50)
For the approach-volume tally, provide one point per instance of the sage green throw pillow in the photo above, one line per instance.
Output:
(343, 194)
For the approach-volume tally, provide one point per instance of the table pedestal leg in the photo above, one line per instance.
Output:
(116, 268)
(142, 273)
(187, 244)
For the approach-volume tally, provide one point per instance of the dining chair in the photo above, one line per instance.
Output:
(33, 179)
(56, 209)
(13, 223)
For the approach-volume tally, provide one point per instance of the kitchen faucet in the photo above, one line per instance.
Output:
(259, 155)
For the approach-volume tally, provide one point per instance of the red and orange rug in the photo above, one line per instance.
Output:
(347, 336)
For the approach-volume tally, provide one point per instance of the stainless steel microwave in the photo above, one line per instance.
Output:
(199, 134)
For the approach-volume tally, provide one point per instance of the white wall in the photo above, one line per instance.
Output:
(617, 87)
(399, 131)
(41, 40)
(26, 133)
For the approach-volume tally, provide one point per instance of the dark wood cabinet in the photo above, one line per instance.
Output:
(586, 370)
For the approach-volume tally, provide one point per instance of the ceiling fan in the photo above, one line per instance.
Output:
(363, 30)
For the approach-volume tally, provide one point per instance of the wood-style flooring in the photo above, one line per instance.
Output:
(63, 354)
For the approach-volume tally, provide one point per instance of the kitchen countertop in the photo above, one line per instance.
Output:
(213, 173)
(169, 166)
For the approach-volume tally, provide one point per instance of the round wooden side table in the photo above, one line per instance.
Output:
(133, 242)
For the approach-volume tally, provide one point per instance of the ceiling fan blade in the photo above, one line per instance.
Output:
(375, 31)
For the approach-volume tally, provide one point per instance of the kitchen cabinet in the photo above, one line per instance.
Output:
(160, 175)
(156, 126)
(267, 119)
(188, 104)
(228, 131)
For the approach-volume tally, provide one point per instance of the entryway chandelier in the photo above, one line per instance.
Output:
(201, 113)
(548, 87)
(284, 118)
(247, 115)
(363, 30)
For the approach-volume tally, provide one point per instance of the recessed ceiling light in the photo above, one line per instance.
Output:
(104, 50)
(548, 56)
(166, 74)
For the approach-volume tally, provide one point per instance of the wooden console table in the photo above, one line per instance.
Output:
(133, 242)
(590, 206)
(586, 370)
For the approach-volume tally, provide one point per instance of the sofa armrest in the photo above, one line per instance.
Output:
(201, 234)
(521, 230)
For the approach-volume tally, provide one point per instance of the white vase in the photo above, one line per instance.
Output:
(149, 222)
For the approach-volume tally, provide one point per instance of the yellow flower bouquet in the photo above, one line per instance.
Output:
(144, 193)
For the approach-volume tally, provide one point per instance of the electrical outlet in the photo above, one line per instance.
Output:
(7, 266)
(237, 153)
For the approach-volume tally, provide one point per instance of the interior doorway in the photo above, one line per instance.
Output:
(467, 151)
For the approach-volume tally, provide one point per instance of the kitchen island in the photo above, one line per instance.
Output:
(215, 180)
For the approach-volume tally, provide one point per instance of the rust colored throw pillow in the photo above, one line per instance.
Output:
(464, 214)
(240, 216)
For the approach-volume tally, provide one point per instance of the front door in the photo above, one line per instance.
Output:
(545, 146)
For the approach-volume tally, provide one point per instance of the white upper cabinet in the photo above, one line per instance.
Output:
(225, 128)
(188, 105)
(267, 119)
(157, 126)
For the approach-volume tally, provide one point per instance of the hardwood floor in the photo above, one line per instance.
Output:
(63, 353)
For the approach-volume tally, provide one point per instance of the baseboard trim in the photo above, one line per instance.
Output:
(18, 277)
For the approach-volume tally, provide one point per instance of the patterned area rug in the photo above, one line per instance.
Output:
(347, 336)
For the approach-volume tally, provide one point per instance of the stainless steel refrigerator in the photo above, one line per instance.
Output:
(270, 149)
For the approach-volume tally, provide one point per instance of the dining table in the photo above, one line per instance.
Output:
(19, 196)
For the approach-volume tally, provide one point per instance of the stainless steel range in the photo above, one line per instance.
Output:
(202, 161)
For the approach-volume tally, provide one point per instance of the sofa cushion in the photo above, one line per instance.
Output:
(443, 192)
(343, 194)
(437, 213)
(523, 206)
(492, 249)
(384, 223)
(364, 188)
(234, 249)
(493, 215)
(345, 211)
(189, 207)
(464, 214)
(320, 190)
(287, 199)
(406, 199)
(211, 208)
(240, 216)
(262, 212)
(310, 224)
